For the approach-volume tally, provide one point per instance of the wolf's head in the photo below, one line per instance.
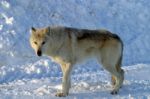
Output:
(38, 39)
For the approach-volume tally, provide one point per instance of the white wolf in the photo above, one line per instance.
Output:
(67, 46)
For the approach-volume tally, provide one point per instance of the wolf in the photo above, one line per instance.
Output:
(68, 46)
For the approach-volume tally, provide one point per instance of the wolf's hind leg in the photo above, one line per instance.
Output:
(117, 75)
(118, 78)
(113, 80)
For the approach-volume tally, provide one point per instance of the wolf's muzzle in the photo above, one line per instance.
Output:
(39, 53)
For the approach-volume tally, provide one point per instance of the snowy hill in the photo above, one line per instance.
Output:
(19, 66)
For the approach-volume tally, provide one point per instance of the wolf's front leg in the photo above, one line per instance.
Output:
(66, 81)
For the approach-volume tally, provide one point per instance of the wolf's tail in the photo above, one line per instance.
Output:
(119, 63)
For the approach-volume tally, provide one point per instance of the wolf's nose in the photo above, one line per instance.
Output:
(39, 53)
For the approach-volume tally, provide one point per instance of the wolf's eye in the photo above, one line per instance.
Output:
(43, 43)
(35, 43)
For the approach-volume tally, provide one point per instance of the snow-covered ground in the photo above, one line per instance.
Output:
(23, 75)
(86, 85)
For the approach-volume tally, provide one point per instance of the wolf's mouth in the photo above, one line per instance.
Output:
(39, 53)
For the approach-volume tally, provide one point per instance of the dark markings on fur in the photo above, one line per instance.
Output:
(68, 30)
(97, 35)
(116, 36)
(92, 34)
(101, 35)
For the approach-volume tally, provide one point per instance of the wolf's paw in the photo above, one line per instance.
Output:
(61, 95)
(114, 92)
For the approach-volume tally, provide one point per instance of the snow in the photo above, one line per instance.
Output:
(8, 20)
(92, 86)
(23, 75)
(5, 4)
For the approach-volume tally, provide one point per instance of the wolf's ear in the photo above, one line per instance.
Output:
(33, 29)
